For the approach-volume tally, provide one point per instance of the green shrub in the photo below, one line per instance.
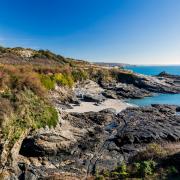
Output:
(121, 171)
(99, 177)
(50, 55)
(48, 81)
(28, 111)
(23, 104)
(63, 79)
(2, 49)
(79, 75)
(172, 170)
(145, 168)
(106, 173)
(153, 151)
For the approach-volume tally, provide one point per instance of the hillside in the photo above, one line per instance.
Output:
(39, 139)
(19, 55)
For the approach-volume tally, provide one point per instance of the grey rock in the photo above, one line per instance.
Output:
(101, 148)
(132, 85)
(110, 94)
(93, 98)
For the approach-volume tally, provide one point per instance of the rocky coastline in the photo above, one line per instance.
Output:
(85, 143)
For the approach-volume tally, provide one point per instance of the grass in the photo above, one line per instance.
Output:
(79, 75)
(24, 103)
(24, 99)
(27, 111)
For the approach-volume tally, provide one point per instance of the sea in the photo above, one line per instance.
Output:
(155, 70)
(173, 99)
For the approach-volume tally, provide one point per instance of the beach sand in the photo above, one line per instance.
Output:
(118, 105)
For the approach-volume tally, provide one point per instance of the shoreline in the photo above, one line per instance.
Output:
(116, 104)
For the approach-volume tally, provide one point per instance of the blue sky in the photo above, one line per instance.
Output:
(129, 31)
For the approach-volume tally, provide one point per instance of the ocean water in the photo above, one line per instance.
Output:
(155, 70)
(173, 99)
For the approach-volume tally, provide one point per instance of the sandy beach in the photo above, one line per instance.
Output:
(118, 105)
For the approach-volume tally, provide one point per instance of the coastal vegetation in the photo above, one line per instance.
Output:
(148, 164)
(24, 91)
(26, 83)
(35, 85)
(23, 102)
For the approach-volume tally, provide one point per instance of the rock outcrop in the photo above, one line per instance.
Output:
(84, 143)
(89, 91)
(122, 90)
(132, 85)
(129, 85)
(88, 142)
(173, 79)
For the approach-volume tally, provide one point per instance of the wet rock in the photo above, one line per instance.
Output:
(178, 109)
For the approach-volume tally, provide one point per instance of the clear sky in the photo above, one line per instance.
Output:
(129, 31)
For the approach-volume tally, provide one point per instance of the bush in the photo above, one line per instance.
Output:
(23, 104)
(79, 75)
(47, 81)
(99, 177)
(2, 49)
(145, 168)
(28, 111)
(46, 54)
(63, 79)
(153, 151)
(121, 171)
(17, 78)
(172, 170)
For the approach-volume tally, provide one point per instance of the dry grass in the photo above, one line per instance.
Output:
(20, 77)
(24, 102)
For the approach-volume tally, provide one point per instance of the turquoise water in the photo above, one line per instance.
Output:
(173, 99)
(155, 70)
(158, 98)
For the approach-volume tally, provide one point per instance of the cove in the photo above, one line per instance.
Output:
(172, 99)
